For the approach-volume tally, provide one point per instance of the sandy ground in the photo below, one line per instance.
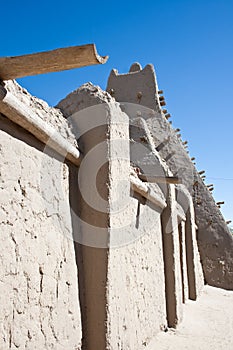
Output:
(207, 324)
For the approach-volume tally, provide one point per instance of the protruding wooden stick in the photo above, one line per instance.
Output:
(49, 61)
(162, 103)
(167, 116)
(220, 203)
(228, 222)
(211, 185)
(201, 172)
(193, 158)
(160, 92)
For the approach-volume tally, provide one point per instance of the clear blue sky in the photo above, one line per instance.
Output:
(189, 42)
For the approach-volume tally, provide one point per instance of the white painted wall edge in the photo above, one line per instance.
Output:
(21, 114)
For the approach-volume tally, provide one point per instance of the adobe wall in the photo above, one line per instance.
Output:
(124, 252)
(120, 282)
(215, 242)
(39, 306)
(189, 228)
(135, 306)
(136, 287)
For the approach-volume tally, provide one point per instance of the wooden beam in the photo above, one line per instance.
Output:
(49, 61)
(144, 190)
(21, 114)
(160, 179)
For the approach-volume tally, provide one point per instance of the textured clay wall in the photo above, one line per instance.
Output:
(127, 249)
(39, 307)
(136, 287)
(215, 241)
(132, 302)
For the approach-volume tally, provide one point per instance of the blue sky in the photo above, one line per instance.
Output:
(190, 44)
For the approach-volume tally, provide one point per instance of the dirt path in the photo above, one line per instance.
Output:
(207, 324)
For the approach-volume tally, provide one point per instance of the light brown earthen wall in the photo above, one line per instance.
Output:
(39, 306)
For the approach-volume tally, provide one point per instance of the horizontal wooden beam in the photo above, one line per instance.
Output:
(144, 190)
(160, 179)
(21, 114)
(49, 61)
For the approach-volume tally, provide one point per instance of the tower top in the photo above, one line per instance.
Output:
(137, 86)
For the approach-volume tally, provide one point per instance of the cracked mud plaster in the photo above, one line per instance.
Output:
(39, 307)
